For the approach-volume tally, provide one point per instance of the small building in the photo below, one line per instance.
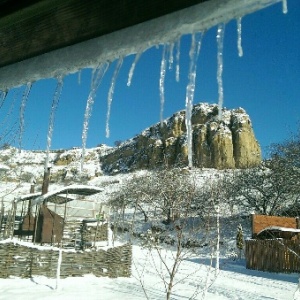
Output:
(261, 222)
(49, 237)
(275, 244)
(47, 225)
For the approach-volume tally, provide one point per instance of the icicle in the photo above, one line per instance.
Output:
(177, 59)
(220, 42)
(131, 71)
(162, 83)
(97, 76)
(79, 77)
(9, 131)
(111, 93)
(8, 114)
(284, 6)
(199, 44)
(239, 34)
(3, 95)
(190, 91)
(54, 106)
(22, 111)
(171, 57)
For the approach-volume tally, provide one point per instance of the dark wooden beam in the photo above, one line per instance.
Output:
(8, 7)
(53, 38)
(29, 28)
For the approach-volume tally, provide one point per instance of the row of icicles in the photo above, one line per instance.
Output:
(166, 62)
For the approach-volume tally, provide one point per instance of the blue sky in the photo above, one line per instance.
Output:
(265, 82)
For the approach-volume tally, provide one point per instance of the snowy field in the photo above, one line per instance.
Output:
(234, 281)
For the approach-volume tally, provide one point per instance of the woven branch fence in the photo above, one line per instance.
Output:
(274, 255)
(26, 262)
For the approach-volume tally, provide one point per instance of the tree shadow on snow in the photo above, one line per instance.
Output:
(239, 266)
(39, 283)
(135, 288)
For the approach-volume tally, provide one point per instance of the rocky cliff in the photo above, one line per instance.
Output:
(226, 144)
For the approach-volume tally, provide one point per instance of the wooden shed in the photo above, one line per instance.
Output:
(46, 225)
(262, 222)
(275, 244)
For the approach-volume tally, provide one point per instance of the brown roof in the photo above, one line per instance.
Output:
(260, 222)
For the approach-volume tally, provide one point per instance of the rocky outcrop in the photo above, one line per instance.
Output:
(222, 144)
(246, 149)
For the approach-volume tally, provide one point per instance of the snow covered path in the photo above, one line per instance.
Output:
(233, 282)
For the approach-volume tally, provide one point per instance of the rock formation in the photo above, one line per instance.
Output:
(226, 144)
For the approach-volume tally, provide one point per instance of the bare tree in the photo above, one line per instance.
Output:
(272, 186)
(263, 189)
(240, 240)
(179, 214)
(161, 195)
(285, 161)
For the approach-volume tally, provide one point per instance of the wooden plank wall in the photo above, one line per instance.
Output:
(280, 256)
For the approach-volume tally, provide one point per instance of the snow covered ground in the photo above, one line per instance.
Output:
(233, 282)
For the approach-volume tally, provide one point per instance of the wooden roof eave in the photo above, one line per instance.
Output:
(61, 45)
(33, 27)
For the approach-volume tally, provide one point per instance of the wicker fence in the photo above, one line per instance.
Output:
(25, 262)
(275, 255)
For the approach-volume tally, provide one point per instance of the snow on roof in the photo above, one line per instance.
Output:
(279, 228)
(77, 189)
(27, 197)
(61, 195)
(58, 199)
